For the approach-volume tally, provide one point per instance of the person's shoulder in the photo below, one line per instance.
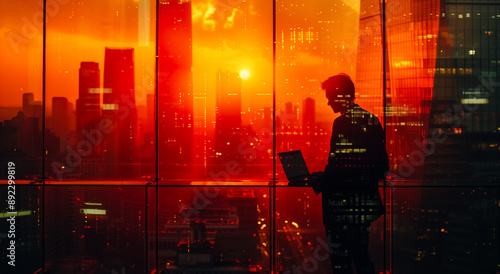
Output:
(357, 112)
(365, 114)
(361, 110)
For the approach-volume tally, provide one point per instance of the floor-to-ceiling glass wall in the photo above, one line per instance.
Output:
(141, 135)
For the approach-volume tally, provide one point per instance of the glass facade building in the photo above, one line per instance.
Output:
(140, 136)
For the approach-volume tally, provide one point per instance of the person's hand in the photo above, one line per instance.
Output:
(315, 182)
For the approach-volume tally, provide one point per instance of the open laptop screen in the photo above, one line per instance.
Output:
(293, 163)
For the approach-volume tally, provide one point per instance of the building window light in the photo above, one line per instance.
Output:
(110, 106)
(475, 101)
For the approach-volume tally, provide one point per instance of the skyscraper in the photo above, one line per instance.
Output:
(120, 112)
(175, 95)
(411, 57)
(442, 123)
(88, 117)
(88, 104)
(465, 103)
(228, 128)
(369, 77)
(440, 82)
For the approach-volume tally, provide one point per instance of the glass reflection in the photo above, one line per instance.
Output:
(99, 72)
(443, 229)
(215, 90)
(94, 229)
(213, 229)
(21, 89)
(215, 117)
(21, 238)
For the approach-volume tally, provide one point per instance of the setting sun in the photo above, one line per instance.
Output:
(244, 74)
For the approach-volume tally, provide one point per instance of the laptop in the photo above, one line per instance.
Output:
(295, 168)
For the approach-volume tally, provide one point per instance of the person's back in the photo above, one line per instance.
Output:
(357, 160)
(356, 163)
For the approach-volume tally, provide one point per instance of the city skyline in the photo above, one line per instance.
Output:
(235, 48)
(70, 139)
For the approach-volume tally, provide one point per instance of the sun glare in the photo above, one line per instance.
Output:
(244, 74)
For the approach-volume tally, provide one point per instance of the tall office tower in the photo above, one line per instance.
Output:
(60, 116)
(465, 105)
(120, 114)
(88, 104)
(175, 94)
(88, 116)
(411, 56)
(443, 111)
(228, 128)
(412, 48)
(464, 116)
(441, 76)
(369, 77)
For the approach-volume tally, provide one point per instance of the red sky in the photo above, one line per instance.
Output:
(227, 35)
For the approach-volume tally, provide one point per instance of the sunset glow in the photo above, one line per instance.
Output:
(244, 74)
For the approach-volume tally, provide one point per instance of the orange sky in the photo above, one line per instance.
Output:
(234, 36)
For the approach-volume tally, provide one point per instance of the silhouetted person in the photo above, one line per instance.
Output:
(357, 161)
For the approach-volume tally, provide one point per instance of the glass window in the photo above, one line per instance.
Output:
(215, 90)
(140, 136)
(100, 71)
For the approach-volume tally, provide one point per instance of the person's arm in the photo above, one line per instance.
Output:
(330, 179)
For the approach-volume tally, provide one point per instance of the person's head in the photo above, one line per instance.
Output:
(339, 91)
